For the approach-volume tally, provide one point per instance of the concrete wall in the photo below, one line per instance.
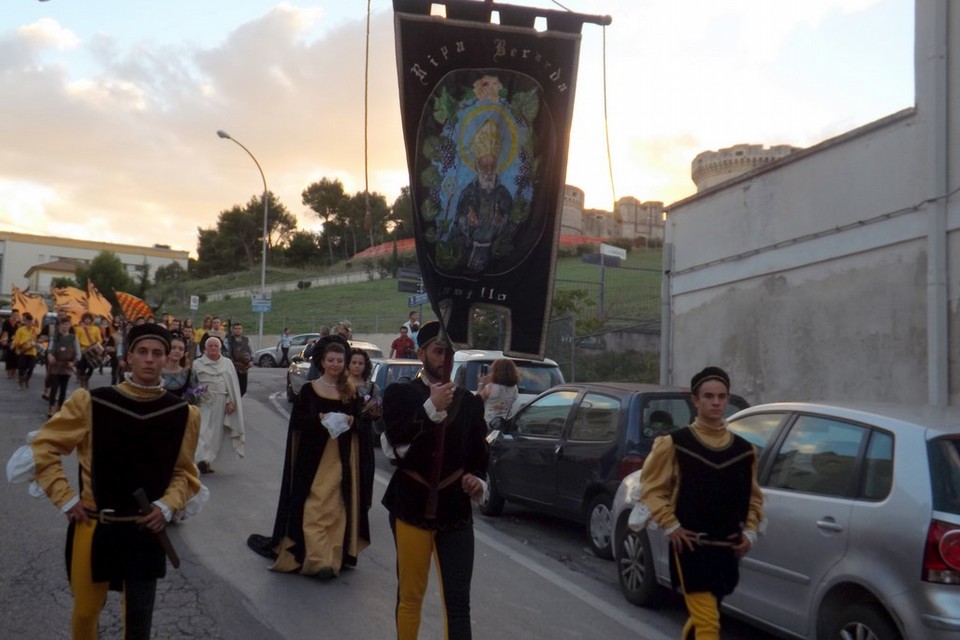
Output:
(828, 274)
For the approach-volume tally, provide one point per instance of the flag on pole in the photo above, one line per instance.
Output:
(133, 307)
(97, 304)
(486, 111)
(31, 303)
(70, 301)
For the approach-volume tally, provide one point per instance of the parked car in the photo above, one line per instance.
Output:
(536, 376)
(387, 371)
(300, 366)
(271, 356)
(863, 534)
(567, 451)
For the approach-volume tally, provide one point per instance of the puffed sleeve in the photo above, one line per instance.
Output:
(66, 431)
(658, 483)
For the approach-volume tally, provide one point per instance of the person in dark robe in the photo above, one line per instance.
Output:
(321, 524)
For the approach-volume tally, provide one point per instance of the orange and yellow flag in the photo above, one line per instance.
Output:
(71, 301)
(97, 304)
(133, 307)
(31, 303)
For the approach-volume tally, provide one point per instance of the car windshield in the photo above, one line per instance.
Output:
(396, 372)
(535, 377)
(945, 473)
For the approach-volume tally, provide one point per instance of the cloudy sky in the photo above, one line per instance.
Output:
(109, 110)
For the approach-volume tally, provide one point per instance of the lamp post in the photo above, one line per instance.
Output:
(263, 262)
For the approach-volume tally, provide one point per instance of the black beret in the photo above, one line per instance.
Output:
(428, 333)
(148, 330)
(709, 373)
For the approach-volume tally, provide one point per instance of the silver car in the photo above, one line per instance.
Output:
(863, 533)
(299, 367)
(271, 356)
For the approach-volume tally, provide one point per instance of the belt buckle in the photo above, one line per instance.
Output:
(104, 515)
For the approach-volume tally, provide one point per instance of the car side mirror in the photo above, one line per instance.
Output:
(503, 425)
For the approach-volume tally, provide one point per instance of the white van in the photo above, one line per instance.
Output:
(536, 375)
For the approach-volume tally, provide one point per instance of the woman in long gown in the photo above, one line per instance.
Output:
(359, 369)
(321, 523)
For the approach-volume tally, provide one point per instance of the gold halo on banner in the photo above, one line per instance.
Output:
(503, 119)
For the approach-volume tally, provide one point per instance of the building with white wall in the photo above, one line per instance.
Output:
(834, 272)
(33, 260)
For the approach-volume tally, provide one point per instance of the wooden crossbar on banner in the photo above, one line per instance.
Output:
(510, 15)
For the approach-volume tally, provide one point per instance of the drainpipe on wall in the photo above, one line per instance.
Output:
(666, 317)
(938, 347)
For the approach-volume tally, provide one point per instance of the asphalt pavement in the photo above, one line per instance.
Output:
(527, 584)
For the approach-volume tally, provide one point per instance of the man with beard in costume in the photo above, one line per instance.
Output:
(435, 433)
(484, 207)
(128, 438)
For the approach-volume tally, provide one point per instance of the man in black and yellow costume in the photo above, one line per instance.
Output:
(127, 437)
(700, 485)
(436, 434)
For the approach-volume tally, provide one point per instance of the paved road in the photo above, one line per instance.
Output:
(533, 578)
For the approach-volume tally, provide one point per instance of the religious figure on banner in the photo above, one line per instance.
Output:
(480, 158)
(485, 204)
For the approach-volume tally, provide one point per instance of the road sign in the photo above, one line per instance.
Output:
(417, 300)
(261, 302)
(615, 252)
(194, 303)
(409, 281)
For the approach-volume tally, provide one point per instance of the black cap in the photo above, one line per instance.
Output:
(144, 331)
(709, 373)
(428, 333)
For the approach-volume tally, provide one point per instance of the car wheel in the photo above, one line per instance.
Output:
(638, 579)
(600, 526)
(291, 396)
(267, 361)
(860, 622)
(493, 505)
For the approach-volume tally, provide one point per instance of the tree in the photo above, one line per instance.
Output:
(242, 229)
(108, 275)
(326, 198)
(172, 272)
(143, 278)
(400, 221)
(302, 249)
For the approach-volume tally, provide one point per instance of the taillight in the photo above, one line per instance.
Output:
(941, 556)
(629, 464)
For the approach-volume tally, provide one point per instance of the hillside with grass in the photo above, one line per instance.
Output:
(375, 305)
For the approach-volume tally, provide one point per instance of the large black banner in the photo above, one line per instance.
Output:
(486, 112)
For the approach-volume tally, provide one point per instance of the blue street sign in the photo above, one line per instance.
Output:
(417, 300)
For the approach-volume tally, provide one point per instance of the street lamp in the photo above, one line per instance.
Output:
(263, 264)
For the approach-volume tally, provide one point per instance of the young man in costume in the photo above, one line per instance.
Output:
(436, 433)
(129, 437)
(700, 485)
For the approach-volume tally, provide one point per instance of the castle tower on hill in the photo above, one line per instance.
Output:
(639, 222)
(713, 167)
(571, 215)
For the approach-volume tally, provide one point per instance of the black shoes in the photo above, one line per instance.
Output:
(262, 546)
(204, 467)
